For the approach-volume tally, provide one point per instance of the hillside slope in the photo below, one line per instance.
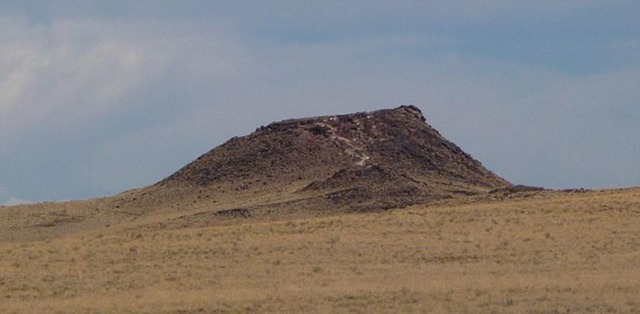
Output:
(294, 168)
(372, 160)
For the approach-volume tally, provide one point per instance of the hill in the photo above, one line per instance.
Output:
(364, 161)
(361, 213)
(306, 167)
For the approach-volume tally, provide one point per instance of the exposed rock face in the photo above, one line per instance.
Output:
(380, 159)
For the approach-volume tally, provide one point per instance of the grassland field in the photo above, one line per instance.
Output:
(536, 252)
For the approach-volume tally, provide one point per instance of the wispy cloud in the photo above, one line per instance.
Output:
(63, 76)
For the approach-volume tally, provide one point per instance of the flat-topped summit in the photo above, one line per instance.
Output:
(298, 168)
(368, 160)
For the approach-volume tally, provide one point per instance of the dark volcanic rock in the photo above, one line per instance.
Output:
(380, 159)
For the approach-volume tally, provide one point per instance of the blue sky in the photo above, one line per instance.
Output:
(97, 97)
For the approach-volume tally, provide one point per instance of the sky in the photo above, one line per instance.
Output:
(98, 97)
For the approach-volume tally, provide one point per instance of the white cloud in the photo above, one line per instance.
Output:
(55, 81)
(61, 77)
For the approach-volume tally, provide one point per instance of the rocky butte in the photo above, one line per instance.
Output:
(297, 168)
(355, 162)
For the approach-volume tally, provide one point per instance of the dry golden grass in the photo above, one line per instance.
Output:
(541, 252)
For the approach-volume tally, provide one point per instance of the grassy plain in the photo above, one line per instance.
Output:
(536, 252)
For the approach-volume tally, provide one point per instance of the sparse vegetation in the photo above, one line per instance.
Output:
(547, 252)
